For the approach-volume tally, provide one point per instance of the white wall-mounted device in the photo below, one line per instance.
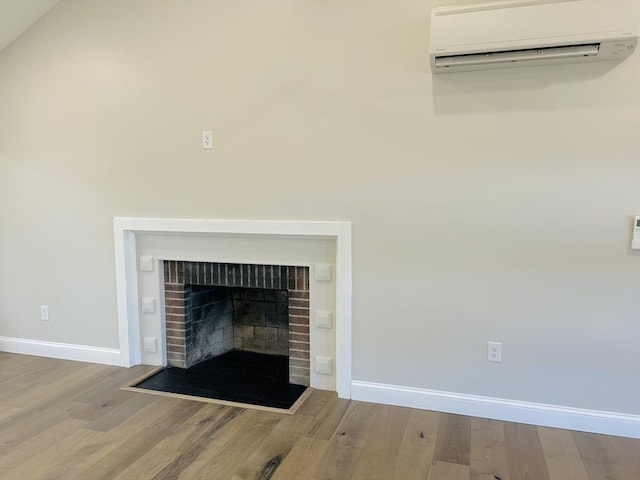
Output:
(529, 32)
(207, 139)
(635, 242)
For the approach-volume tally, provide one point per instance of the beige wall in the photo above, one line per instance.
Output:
(485, 206)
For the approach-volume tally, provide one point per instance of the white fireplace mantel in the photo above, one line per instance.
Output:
(126, 229)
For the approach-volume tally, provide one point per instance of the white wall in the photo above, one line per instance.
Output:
(485, 206)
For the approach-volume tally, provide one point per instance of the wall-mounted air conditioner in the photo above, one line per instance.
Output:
(525, 33)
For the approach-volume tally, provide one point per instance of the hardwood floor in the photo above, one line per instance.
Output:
(69, 420)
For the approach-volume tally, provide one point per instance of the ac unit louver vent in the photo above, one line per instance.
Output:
(524, 55)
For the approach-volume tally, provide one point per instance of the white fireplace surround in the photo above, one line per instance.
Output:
(126, 228)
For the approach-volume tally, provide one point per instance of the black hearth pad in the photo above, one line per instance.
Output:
(236, 376)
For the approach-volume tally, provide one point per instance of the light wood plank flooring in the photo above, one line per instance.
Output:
(69, 420)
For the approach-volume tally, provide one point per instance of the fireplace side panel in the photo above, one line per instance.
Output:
(299, 335)
(211, 323)
(177, 308)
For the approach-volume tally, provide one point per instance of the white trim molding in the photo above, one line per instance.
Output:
(64, 351)
(593, 421)
(125, 230)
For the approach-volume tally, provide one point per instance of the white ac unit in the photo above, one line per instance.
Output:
(525, 33)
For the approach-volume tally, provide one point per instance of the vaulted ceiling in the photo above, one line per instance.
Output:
(16, 16)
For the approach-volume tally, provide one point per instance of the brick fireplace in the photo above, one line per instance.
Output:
(212, 308)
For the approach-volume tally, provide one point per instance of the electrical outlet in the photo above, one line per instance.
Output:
(494, 352)
(207, 139)
(44, 312)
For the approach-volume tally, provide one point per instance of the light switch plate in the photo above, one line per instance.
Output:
(150, 344)
(323, 318)
(146, 263)
(148, 305)
(323, 272)
(324, 365)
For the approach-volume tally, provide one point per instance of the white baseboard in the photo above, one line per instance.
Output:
(594, 421)
(65, 351)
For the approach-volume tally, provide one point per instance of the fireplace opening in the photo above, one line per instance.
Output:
(236, 332)
(221, 319)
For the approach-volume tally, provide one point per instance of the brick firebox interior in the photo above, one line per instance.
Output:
(212, 308)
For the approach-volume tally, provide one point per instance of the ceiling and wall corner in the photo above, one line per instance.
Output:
(489, 206)
(17, 16)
